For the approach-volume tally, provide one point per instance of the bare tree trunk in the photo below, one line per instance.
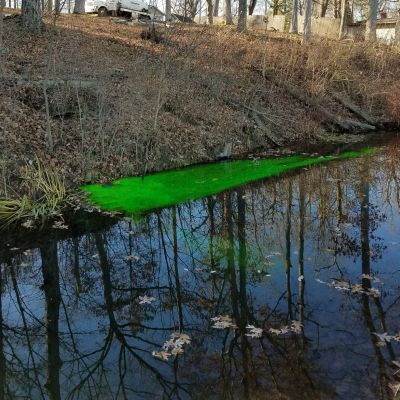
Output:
(3, 370)
(57, 7)
(242, 20)
(336, 11)
(294, 24)
(324, 8)
(79, 7)
(397, 30)
(228, 12)
(49, 6)
(31, 15)
(167, 10)
(343, 21)
(51, 284)
(192, 9)
(275, 7)
(370, 31)
(252, 6)
(2, 5)
(216, 8)
(307, 22)
(210, 12)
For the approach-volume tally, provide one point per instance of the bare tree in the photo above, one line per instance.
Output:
(167, 10)
(275, 4)
(370, 31)
(307, 21)
(294, 25)
(2, 5)
(31, 15)
(397, 29)
(216, 8)
(252, 6)
(343, 19)
(242, 21)
(210, 14)
(324, 8)
(228, 12)
(79, 7)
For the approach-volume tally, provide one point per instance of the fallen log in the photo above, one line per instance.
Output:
(334, 121)
(346, 102)
(260, 118)
(261, 125)
(48, 83)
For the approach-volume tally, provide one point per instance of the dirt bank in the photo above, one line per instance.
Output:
(96, 101)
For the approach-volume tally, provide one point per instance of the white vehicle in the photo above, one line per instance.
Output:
(105, 7)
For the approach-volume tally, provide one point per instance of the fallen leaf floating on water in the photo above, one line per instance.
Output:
(372, 278)
(295, 327)
(131, 257)
(162, 355)
(385, 338)
(173, 346)
(354, 289)
(23, 265)
(340, 285)
(177, 341)
(254, 332)
(280, 331)
(222, 322)
(146, 299)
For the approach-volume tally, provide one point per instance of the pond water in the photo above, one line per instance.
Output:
(286, 288)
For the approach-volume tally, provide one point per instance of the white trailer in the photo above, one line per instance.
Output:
(107, 7)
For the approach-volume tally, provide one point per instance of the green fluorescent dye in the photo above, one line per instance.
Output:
(136, 196)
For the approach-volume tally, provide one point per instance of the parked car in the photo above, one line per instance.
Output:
(105, 7)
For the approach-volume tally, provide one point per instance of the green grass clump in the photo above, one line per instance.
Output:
(45, 192)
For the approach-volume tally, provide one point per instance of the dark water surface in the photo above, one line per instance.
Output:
(311, 258)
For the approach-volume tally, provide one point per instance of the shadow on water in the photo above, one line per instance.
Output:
(310, 259)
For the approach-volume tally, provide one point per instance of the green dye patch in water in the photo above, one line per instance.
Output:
(136, 196)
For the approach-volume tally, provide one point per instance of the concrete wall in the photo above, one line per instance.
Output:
(253, 21)
(257, 22)
(276, 22)
(325, 27)
(384, 33)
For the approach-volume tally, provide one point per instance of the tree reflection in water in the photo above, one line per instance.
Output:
(73, 326)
